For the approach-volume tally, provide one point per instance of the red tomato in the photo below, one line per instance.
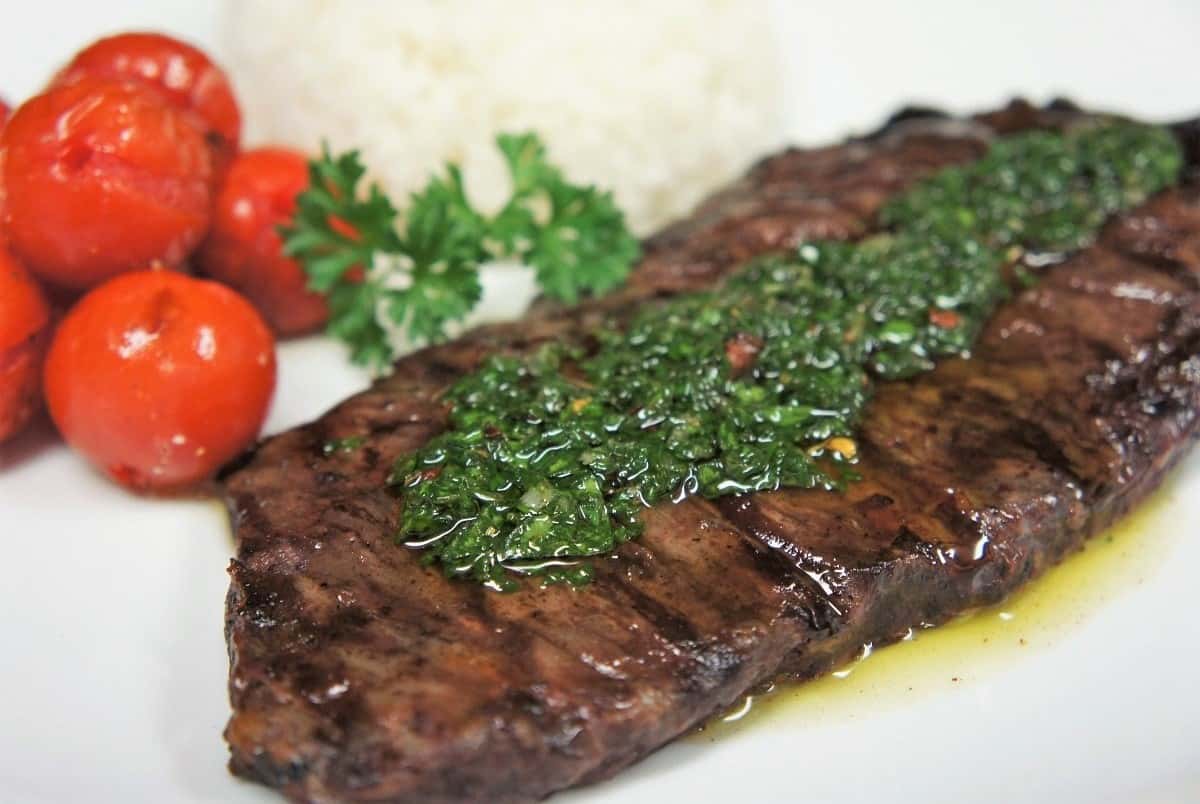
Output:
(3, 195)
(24, 322)
(5, 112)
(181, 74)
(159, 378)
(103, 177)
(244, 249)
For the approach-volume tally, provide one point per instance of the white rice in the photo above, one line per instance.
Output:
(658, 101)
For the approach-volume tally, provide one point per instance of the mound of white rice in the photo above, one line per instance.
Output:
(658, 101)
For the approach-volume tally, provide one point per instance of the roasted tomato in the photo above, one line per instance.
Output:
(5, 113)
(244, 249)
(103, 177)
(180, 73)
(24, 322)
(3, 194)
(159, 378)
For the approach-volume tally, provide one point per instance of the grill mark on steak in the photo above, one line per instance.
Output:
(359, 674)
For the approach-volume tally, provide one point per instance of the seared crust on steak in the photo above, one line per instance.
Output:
(358, 674)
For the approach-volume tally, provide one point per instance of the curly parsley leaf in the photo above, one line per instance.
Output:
(574, 236)
(418, 279)
(336, 234)
(442, 249)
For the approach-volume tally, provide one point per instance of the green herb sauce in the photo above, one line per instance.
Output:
(343, 445)
(759, 383)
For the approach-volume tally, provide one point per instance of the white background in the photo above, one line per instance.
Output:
(112, 665)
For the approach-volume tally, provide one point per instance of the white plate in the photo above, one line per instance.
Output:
(112, 676)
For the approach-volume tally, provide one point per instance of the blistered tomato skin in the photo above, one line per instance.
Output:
(244, 249)
(103, 177)
(24, 323)
(180, 73)
(159, 378)
(5, 113)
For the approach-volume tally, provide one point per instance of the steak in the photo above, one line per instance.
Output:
(360, 674)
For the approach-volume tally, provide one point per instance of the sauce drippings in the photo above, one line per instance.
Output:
(980, 643)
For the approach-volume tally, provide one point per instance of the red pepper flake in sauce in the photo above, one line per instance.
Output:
(945, 319)
(742, 351)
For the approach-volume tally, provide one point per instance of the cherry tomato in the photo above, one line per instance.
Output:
(244, 249)
(181, 74)
(103, 177)
(3, 196)
(159, 378)
(24, 323)
(5, 112)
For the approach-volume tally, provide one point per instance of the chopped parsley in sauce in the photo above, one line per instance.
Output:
(760, 382)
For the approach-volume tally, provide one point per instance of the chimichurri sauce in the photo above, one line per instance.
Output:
(759, 383)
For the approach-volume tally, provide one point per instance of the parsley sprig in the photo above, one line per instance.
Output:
(382, 277)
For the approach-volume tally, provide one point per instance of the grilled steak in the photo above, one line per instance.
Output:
(358, 674)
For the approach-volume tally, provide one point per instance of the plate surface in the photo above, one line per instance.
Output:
(112, 681)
